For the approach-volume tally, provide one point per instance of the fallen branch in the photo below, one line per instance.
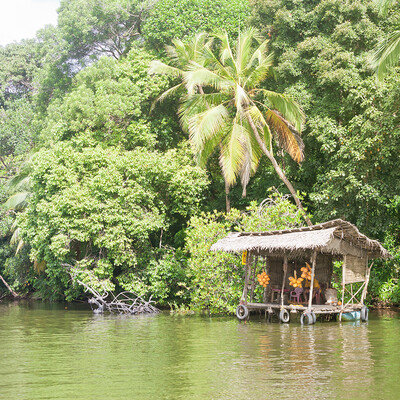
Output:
(123, 303)
(15, 295)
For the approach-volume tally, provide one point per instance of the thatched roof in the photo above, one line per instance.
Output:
(333, 237)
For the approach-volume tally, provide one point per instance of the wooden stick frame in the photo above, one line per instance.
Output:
(363, 287)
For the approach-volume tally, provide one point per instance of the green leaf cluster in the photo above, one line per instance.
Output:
(106, 205)
(170, 19)
(217, 277)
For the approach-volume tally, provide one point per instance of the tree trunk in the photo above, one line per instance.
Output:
(8, 287)
(279, 171)
(227, 201)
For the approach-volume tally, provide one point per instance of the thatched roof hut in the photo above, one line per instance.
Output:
(335, 237)
(284, 253)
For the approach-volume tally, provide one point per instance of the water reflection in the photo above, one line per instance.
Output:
(50, 352)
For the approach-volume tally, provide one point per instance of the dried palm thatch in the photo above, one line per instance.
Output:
(336, 237)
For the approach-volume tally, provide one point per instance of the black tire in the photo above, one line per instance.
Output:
(314, 317)
(284, 316)
(364, 314)
(242, 312)
(308, 318)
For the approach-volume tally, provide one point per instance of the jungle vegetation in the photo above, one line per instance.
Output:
(134, 134)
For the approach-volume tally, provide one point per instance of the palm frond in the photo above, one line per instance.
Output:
(287, 106)
(225, 70)
(172, 53)
(204, 126)
(181, 53)
(384, 5)
(15, 238)
(288, 139)
(251, 160)
(387, 54)
(17, 201)
(20, 245)
(39, 266)
(245, 47)
(199, 102)
(257, 74)
(168, 93)
(20, 183)
(196, 103)
(261, 124)
(257, 116)
(158, 67)
(267, 138)
(225, 47)
(198, 75)
(233, 152)
(260, 55)
(200, 42)
(209, 148)
(242, 100)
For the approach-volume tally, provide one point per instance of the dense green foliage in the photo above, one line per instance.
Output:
(323, 51)
(110, 103)
(217, 277)
(100, 180)
(105, 208)
(170, 19)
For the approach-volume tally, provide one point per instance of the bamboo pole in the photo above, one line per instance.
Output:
(313, 262)
(253, 279)
(343, 284)
(285, 265)
(351, 293)
(265, 289)
(365, 290)
(246, 278)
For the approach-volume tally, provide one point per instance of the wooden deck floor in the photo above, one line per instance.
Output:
(316, 308)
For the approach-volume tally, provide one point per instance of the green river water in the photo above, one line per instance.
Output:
(52, 352)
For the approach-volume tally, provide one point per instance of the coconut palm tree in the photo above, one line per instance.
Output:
(181, 54)
(233, 113)
(387, 52)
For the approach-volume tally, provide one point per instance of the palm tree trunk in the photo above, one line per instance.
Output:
(279, 171)
(8, 287)
(227, 201)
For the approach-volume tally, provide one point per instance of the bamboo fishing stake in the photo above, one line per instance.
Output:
(313, 262)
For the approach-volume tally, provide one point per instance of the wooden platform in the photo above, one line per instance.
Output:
(316, 308)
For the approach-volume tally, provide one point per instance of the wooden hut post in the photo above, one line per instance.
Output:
(343, 283)
(265, 289)
(246, 277)
(285, 266)
(253, 279)
(365, 289)
(313, 262)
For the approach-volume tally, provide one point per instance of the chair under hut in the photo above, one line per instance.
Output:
(283, 253)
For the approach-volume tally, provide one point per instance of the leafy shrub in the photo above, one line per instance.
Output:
(105, 208)
(217, 277)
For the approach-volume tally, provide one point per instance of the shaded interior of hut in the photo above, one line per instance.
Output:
(296, 281)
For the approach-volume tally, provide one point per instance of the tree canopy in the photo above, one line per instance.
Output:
(113, 187)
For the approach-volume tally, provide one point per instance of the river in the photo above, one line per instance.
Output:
(58, 351)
